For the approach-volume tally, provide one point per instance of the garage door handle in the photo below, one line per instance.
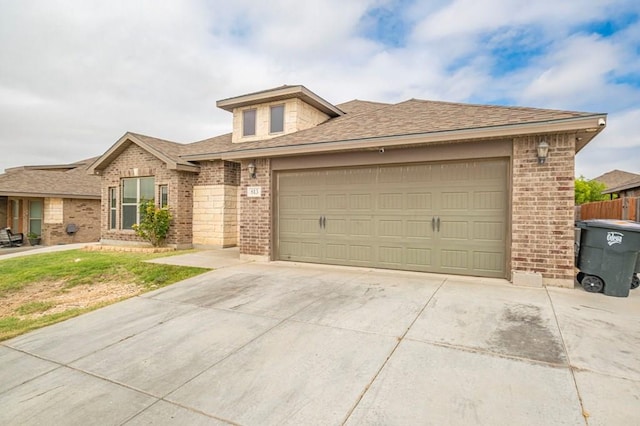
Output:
(324, 222)
(438, 223)
(433, 223)
(320, 222)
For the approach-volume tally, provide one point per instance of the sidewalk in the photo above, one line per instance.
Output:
(10, 253)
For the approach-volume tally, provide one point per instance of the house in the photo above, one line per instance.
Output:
(630, 188)
(442, 187)
(616, 178)
(60, 203)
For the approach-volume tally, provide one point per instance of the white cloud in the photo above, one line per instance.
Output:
(76, 75)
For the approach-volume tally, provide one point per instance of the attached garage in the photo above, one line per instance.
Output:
(448, 217)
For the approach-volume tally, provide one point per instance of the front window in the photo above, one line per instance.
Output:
(134, 191)
(249, 122)
(35, 217)
(112, 208)
(164, 196)
(277, 119)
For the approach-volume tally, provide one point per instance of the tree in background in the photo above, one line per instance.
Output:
(589, 190)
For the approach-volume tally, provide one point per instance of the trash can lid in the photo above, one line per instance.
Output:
(626, 225)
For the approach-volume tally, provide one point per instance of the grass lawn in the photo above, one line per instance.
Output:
(43, 289)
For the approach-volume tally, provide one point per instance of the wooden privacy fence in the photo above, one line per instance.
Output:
(627, 208)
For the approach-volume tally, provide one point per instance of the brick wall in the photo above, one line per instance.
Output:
(136, 162)
(255, 212)
(542, 237)
(85, 214)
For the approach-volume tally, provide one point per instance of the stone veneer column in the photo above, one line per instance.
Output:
(542, 236)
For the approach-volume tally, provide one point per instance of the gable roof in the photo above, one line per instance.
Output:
(616, 178)
(166, 151)
(417, 122)
(366, 125)
(59, 181)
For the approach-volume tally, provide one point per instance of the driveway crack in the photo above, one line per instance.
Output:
(386, 361)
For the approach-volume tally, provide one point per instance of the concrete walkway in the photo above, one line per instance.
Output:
(285, 343)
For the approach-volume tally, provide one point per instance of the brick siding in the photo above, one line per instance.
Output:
(255, 226)
(85, 214)
(542, 237)
(136, 162)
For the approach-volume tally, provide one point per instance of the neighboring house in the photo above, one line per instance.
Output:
(616, 178)
(418, 185)
(630, 188)
(52, 201)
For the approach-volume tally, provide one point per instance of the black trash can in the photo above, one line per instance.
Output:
(608, 256)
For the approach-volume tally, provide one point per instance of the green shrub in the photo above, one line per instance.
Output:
(154, 223)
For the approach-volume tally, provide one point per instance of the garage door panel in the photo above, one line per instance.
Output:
(488, 231)
(419, 201)
(337, 201)
(385, 216)
(390, 201)
(419, 258)
(492, 262)
(361, 202)
(337, 252)
(391, 228)
(454, 230)
(419, 229)
(361, 253)
(454, 201)
(454, 259)
(489, 200)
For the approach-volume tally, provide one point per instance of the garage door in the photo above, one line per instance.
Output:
(444, 218)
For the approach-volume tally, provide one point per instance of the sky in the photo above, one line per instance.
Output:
(76, 75)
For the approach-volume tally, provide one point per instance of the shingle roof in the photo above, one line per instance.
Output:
(375, 120)
(630, 184)
(616, 178)
(49, 182)
(364, 121)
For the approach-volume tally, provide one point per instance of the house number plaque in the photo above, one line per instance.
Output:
(254, 191)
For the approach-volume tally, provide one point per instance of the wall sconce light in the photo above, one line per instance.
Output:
(543, 150)
(252, 170)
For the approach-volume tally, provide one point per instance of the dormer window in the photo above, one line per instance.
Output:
(277, 119)
(249, 122)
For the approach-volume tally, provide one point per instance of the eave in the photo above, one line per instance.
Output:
(585, 128)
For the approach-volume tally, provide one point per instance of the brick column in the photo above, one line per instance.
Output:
(255, 212)
(542, 238)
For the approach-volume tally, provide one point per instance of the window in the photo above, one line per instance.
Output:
(164, 196)
(277, 119)
(112, 208)
(35, 217)
(15, 216)
(249, 122)
(135, 190)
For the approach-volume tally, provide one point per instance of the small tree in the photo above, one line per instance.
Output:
(589, 190)
(154, 223)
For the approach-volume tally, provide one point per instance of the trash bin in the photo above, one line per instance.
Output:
(608, 256)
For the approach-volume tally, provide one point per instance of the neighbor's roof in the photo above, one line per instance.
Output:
(632, 184)
(59, 181)
(365, 124)
(616, 178)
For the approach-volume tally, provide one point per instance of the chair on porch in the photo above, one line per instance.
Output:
(8, 238)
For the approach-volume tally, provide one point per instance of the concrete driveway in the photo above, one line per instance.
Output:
(283, 343)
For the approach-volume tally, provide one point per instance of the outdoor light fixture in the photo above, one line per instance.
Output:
(252, 170)
(543, 150)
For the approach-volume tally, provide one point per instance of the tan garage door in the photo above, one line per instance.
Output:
(445, 218)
